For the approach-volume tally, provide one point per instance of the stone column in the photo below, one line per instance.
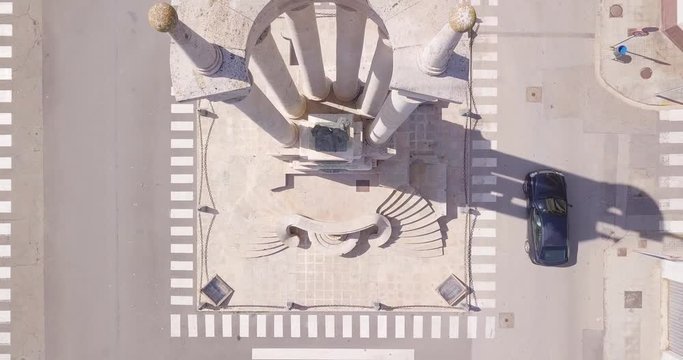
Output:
(259, 109)
(434, 57)
(270, 70)
(394, 112)
(303, 29)
(379, 78)
(207, 57)
(350, 35)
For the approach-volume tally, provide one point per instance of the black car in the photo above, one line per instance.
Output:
(546, 192)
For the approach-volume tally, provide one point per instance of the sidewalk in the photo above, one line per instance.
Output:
(654, 54)
(633, 320)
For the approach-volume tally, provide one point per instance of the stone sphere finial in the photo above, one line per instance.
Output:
(162, 17)
(462, 18)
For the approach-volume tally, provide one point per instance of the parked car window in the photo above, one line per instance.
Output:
(553, 205)
(536, 225)
(554, 254)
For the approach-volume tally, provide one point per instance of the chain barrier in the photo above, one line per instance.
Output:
(471, 213)
(204, 177)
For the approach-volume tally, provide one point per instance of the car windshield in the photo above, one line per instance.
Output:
(552, 205)
(554, 254)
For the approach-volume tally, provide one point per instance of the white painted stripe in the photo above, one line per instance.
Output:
(5, 229)
(5, 118)
(181, 283)
(5, 294)
(488, 127)
(671, 115)
(5, 317)
(671, 159)
(484, 268)
(182, 161)
(5, 185)
(489, 21)
(485, 56)
(5, 8)
(5, 357)
(381, 326)
(484, 180)
(400, 326)
(181, 265)
(364, 326)
(671, 181)
(182, 126)
(672, 226)
(454, 326)
(182, 143)
(673, 137)
(493, 2)
(490, 331)
(487, 109)
(671, 204)
(182, 231)
(182, 213)
(347, 326)
(226, 325)
(182, 248)
(518, 202)
(471, 327)
(192, 325)
(5, 96)
(5, 52)
(484, 145)
(5, 140)
(487, 38)
(331, 354)
(483, 198)
(181, 300)
(436, 327)
(484, 232)
(486, 303)
(260, 325)
(244, 326)
(182, 178)
(209, 326)
(4, 338)
(5, 207)
(483, 250)
(295, 326)
(182, 108)
(417, 326)
(484, 74)
(329, 326)
(312, 326)
(175, 325)
(6, 74)
(182, 196)
(5, 272)
(484, 162)
(278, 326)
(475, 2)
(172, 89)
(485, 91)
(5, 250)
(5, 29)
(484, 285)
(486, 215)
(5, 163)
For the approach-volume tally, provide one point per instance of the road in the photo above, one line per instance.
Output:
(106, 151)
